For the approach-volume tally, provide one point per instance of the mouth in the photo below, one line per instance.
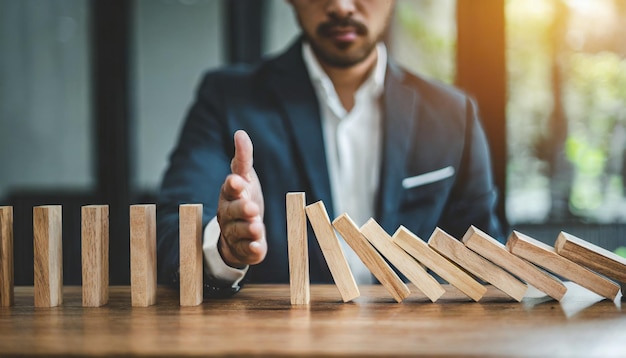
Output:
(343, 33)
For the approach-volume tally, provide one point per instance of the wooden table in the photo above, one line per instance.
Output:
(260, 321)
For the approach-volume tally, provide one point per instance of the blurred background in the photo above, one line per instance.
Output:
(92, 95)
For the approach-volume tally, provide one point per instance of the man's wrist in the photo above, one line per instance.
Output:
(214, 265)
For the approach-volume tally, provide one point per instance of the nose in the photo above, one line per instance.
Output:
(340, 9)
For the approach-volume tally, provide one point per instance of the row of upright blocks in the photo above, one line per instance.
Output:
(48, 256)
(509, 268)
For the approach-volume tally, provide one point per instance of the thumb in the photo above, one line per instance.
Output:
(242, 161)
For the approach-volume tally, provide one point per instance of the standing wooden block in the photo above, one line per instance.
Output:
(48, 252)
(456, 252)
(545, 256)
(6, 256)
(410, 268)
(417, 248)
(190, 254)
(371, 258)
(143, 278)
(591, 256)
(297, 246)
(497, 253)
(331, 248)
(95, 255)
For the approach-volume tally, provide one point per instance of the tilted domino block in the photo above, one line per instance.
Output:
(372, 259)
(456, 252)
(497, 253)
(406, 264)
(589, 255)
(545, 256)
(331, 248)
(417, 248)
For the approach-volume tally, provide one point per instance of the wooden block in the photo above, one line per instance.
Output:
(48, 255)
(406, 264)
(371, 258)
(95, 255)
(497, 253)
(589, 255)
(297, 246)
(331, 248)
(456, 252)
(417, 248)
(545, 256)
(6, 256)
(143, 276)
(191, 293)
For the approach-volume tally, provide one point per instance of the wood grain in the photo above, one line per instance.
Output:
(592, 256)
(95, 255)
(48, 255)
(497, 253)
(298, 249)
(6, 256)
(332, 251)
(267, 325)
(545, 256)
(402, 261)
(190, 223)
(417, 248)
(456, 252)
(143, 274)
(371, 258)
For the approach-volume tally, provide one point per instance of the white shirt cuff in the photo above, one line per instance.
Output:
(214, 265)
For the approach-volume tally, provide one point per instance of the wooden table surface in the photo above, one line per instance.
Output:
(260, 321)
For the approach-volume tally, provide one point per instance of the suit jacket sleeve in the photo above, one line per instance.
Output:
(474, 196)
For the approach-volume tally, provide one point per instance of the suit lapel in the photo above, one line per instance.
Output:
(399, 105)
(296, 97)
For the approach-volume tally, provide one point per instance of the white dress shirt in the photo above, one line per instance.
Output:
(353, 145)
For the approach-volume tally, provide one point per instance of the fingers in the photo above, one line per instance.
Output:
(242, 161)
(243, 243)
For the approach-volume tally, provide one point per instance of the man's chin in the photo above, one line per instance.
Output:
(343, 54)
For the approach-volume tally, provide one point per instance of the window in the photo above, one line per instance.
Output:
(424, 37)
(566, 112)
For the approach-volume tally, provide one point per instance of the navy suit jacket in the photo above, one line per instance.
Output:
(426, 126)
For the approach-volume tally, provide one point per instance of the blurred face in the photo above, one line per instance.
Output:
(343, 33)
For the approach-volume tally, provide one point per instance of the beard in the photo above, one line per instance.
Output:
(342, 54)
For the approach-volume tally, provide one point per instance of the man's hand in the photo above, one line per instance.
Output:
(240, 210)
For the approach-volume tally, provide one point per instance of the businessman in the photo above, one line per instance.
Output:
(336, 118)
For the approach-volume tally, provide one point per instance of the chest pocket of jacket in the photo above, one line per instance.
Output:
(433, 195)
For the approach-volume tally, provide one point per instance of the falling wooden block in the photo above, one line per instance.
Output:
(331, 248)
(6, 256)
(497, 253)
(297, 246)
(410, 268)
(417, 248)
(545, 256)
(95, 255)
(589, 255)
(143, 281)
(456, 252)
(371, 258)
(48, 255)
(190, 254)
